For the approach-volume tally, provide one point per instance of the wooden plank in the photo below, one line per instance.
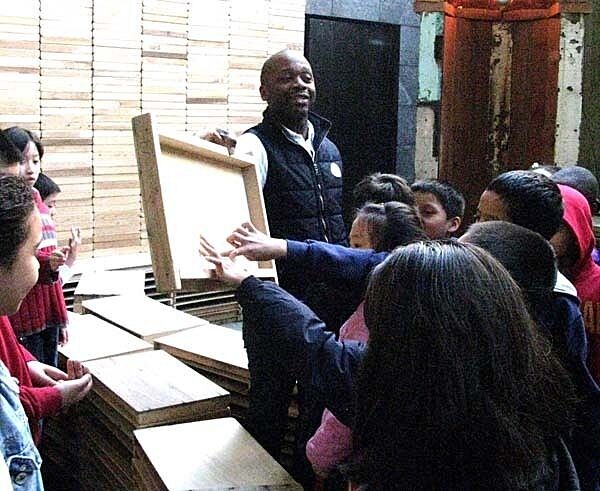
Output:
(215, 454)
(91, 338)
(153, 387)
(141, 316)
(210, 347)
(179, 173)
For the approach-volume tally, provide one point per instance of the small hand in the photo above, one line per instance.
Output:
(254, 245)
(74, 390)
(43, 375)
(58, 257)
(226, 269)
(220, 137)
(76, 369)
(73, 247)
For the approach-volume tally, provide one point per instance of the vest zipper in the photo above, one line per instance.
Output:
(321, 200)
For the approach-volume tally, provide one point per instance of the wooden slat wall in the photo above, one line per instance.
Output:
(76, 71)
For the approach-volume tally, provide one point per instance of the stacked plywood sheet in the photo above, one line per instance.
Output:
(207, 64)
(141, 316)
(116, 99)
(217, 352)
(20, 65)
(66, 109)
(215, 454)
(135, 391)
(248, 49)
(98, 284)
(90, 338)
(286, 25)
(164, 61)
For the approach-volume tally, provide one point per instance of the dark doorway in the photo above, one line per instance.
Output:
(356, 71)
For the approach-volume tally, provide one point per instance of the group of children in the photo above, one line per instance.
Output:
(468, 363)
(33, 315)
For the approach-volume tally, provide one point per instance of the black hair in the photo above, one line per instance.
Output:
(46, 186)
(532, 200)
(381, 188)
(391, 224)
(16, 205)
(9, 153)
(451, 200)
(457, 390)
(583, 180)
(528, 257)
(21, 137)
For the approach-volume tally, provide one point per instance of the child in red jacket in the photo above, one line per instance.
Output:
(41, 322)
(20, 232)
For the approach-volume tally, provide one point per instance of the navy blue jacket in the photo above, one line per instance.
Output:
(303, 198)
(299, 339)
(559, 319)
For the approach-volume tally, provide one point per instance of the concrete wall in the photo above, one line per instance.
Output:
(398, 12)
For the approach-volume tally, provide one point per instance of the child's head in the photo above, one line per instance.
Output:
(10, 156)
(582, 180)
(574, 240)
(32, 149)
(525, 198)
(528, 257)
(441, 207)
(451, 346)
(20, 235)
(383, 227)
(48, 190)
(381, 188)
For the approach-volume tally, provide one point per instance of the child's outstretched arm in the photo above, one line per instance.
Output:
(330, 263)
(296, 334)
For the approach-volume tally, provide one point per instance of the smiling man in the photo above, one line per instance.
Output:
(299, 167)
(300, 171)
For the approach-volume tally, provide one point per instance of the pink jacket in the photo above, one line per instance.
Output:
(332, 442)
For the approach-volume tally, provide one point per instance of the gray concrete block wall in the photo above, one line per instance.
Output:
(398, 12)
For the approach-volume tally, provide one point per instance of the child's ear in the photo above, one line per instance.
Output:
(454, 224)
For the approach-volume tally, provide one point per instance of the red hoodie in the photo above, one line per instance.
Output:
(585, 274)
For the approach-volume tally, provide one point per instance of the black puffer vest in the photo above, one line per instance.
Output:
(303, 199)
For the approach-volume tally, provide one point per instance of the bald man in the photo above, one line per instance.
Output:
(300, 171)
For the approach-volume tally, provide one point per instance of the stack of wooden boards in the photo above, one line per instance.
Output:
(100, 284)
(137, 388)
(218, 454)
(100, 277)
(78, 70)
(138, 391)
(66, 109)
(218, 353)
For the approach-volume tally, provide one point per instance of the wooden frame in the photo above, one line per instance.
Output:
(190, 187)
